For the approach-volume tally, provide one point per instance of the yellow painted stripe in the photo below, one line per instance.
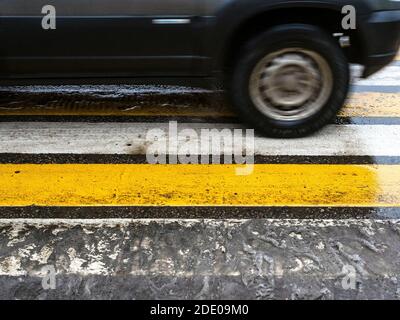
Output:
(199, 185)
(372, 105)
(359, 105)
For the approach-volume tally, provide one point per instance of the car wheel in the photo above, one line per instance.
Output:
(290, 81)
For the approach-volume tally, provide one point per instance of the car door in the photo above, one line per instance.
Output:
(96, 38)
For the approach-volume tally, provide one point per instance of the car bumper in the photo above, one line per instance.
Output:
(382, 38)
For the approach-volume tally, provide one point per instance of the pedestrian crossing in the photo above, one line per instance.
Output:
(286, 171)
(71, 152)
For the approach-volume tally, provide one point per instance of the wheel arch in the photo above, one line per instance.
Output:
(324, 15)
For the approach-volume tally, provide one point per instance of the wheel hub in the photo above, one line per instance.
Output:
(291, 84)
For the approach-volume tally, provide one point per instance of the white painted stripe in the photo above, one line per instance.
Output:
(389, 76)
(130, 138)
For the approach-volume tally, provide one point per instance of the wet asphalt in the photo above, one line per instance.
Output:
(245, 252)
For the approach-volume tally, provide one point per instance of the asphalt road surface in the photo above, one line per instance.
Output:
(316, 218)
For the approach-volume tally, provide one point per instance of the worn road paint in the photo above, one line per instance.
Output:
(128, 138)
(359, 105)
(372, 104)
(199, 185)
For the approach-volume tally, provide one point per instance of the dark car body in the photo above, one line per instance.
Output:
(122, 40)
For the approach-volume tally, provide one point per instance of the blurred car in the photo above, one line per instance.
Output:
(284, 64)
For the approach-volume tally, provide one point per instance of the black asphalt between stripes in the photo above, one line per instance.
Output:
(181, 119)
(21, 158)
(119, 119)
(206, 212)
(377, 89)
(79, 99)
(368, 120)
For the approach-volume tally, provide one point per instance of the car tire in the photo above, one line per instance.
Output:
(290, 81)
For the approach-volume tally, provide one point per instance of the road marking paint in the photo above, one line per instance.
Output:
(375, 88)
(372, 104)
(199, 185)
(368, 104)
(389, 76)
(127, 138)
